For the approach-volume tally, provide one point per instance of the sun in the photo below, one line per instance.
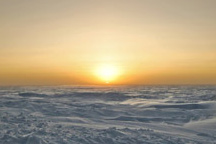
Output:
(107, 73)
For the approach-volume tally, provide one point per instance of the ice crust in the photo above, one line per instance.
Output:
(108, 115)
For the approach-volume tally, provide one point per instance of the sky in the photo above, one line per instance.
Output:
(66, 42)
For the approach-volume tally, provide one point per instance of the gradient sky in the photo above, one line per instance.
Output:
(51, 42)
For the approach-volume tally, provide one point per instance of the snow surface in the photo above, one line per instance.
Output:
(108, 115)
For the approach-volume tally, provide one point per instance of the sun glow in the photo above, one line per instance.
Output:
(107, 73)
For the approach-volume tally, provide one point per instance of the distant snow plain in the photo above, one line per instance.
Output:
(108, 115)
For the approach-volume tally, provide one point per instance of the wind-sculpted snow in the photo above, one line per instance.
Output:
(108, 115)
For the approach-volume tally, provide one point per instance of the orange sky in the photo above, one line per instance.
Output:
(56, 42)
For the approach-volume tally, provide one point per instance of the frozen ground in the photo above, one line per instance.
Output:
(108, 115)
